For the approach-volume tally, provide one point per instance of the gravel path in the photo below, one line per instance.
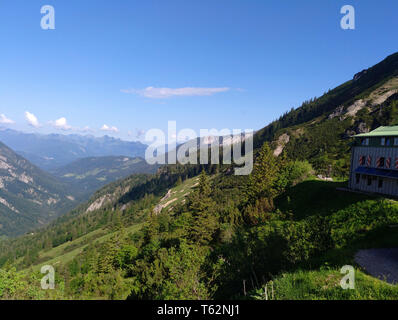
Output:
(380, 263)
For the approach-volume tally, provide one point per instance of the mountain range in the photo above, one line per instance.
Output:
(56, 150)
(32, 196)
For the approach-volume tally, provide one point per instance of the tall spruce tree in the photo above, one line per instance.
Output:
(261, 188)
(265, 172)
(202, 207)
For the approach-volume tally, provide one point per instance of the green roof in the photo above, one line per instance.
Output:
(380, 132)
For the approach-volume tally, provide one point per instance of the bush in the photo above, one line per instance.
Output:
(355, 221)
(300, 171)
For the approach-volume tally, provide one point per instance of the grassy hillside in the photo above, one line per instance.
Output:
(355, 225)
(313, 197)
(67, 251)
(324, 284)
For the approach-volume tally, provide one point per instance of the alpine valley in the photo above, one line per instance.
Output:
(30, 197)
(182, 232)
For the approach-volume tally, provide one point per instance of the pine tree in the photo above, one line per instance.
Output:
(265, 172)
(117, 223)
(202, 207)
(284, 173)
(261, 188)
(204, 184)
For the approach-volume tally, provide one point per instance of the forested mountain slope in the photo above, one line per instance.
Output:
(29, 197)
(130, 199)
(345, 95)
(320, 129)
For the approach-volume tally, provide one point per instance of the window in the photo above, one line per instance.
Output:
(395, 141)
(357, 178)
(369, 181)
(365, 141)
(362, 160)
(380, 183)
(385, 141)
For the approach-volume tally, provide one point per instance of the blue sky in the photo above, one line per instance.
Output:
(245, 61)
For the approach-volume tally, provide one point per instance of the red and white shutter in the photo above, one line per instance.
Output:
(369, 161)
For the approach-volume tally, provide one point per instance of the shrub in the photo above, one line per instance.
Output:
(353, 222)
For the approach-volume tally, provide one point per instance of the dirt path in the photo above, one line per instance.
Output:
(380, 263)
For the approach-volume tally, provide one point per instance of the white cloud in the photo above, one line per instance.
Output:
(109, 129)
(32, 120)
(5, 120)
(161, 93)
(61, 124)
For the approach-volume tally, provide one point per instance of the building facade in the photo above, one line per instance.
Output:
(374, 162)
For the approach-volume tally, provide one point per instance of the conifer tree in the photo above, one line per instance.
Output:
(261, 188)
(202, 207)
(262, 179)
